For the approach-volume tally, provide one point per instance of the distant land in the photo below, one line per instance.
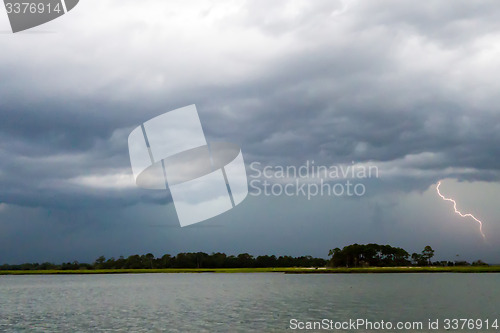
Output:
(355, 258)
(285, 270)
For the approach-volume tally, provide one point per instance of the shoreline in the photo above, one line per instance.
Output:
(367, 270)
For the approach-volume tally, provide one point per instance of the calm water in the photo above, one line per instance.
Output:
(237, 302)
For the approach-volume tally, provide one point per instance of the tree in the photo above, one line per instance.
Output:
(148, 260)
(479, 263)
(368, 255)
(166, 261)
(427, 254)
(99, 262)
(245, 260)
(134, 262)
(418, 259)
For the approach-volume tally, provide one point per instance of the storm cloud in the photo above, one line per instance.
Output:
(411, 87)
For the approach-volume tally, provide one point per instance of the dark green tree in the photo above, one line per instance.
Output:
(427, 254)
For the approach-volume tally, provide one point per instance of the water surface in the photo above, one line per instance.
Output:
(260, 302)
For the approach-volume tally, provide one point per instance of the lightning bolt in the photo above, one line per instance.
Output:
(459, 213)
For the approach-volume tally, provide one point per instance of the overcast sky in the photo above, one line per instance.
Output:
(411, 87)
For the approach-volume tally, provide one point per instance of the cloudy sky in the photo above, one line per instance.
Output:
(411, 87)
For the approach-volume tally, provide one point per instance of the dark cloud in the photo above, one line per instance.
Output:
(408, 86)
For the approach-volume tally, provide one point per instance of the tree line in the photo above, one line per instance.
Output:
(355, 255)
(365, 255)
(181, 260)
